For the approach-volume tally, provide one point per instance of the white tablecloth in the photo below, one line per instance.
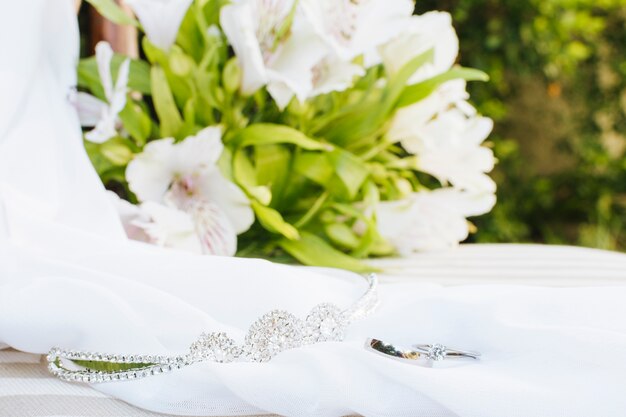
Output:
(27, 390)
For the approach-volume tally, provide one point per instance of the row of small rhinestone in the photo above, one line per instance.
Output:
(90, 376)
(102, 357)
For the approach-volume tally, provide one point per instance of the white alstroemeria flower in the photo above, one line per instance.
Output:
(432, 30)
(160, 19)
(449, 148)
(330, 74)
(185, 174)
(269, 54)
(430, 219)
(95, 112)
(356, 27)
(187, 201)
(202, 230)
(411, 119)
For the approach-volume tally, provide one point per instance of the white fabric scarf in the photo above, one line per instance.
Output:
(69, 277)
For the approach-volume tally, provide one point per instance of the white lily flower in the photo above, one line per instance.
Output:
(267, 53)
(160, 19)
(356, 27)
(449, 148)
(186, 173)
(430, 219)
(95, 112)
(432, 30)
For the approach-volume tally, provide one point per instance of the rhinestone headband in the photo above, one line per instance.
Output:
(272, 333)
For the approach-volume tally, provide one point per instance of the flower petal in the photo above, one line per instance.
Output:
(214, 230)
(118, 98)
(238, 24)
(170, 227)
(160, 19)
(353, 28)
(89, 108)
(292, 65)
(431, 219)
(432, 30)
(334, 74)
(104, 56)
(104, 129)
(150, 173)
(229, 197)
(202, 150)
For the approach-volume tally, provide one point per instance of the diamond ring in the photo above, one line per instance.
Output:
(272, 333)
(427, 353)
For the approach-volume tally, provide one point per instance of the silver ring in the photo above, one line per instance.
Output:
(427, 353)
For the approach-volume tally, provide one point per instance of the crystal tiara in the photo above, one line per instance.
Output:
(272, 333)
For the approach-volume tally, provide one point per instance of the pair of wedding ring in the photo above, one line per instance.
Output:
(425, 354)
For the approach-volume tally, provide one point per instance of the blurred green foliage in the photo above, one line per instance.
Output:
(558, 95)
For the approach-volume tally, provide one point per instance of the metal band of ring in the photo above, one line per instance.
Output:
(421, 352)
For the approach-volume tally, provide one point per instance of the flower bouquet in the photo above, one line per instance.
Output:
(325, 131)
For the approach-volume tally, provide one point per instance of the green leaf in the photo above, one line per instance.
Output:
(189, 113)
(351, 170)
(138, 78)
(212, 9)
(154, 54)
(271, 220)
(363, 120)
(315, 166)
(272, 163)
(372, 113)
(180, 63)
(271, 134)
(312, 250)
(312, 212)
(98, 160)
(342, 235)
(245, 175)
(110, 10)
(169, 116)
(397, 84)
(190, 37)
(136, 122)
(421, 90)
(231, 76)
(116, 151)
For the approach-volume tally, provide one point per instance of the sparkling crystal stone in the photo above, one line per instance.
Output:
(437, 352)
(217, 347)
(274, 332)
(326, 322)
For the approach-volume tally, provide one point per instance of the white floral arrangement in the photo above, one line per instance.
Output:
(325, 131)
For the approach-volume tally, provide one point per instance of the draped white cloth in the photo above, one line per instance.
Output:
(69, 277)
